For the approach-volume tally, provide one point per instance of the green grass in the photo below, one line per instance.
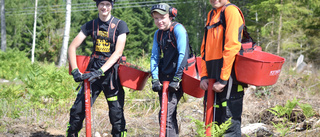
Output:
(44, 86)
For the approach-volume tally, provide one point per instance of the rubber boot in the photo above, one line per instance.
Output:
(72, 135)
(122, 134)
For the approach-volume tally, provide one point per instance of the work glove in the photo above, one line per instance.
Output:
(77, 76)
(156, 85)
(174, 85)
(93, 75)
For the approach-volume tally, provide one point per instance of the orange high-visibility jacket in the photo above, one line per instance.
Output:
(217, 59)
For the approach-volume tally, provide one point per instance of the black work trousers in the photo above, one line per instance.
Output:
(229, 105)
(114, 93)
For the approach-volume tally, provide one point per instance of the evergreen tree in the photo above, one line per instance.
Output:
(296, 21)
(141, 26)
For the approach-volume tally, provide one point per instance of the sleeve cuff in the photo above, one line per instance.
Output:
(224, 82)
(205, 77)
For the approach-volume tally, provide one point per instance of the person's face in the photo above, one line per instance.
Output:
(161, 21)
(104, 8)
(218, 3)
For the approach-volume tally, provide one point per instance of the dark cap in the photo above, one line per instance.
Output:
(98, 1)
(161, 8)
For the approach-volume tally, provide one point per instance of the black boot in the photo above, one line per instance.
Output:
(122, 134)
(72, 135)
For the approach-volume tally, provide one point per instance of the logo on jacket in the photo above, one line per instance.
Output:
(113, 25)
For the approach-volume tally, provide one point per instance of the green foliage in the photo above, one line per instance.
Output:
(286, 110)
(219, 130)
(307, 109)
(200, 127)
(48, 82)
(48, 30)
(280, 111)
(195, 25)
(216, 130)
(282, 128)
(141, 26)
(32, 85)
(297, 29)
(13, 63)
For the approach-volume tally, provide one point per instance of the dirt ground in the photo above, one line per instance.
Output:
(144, 123)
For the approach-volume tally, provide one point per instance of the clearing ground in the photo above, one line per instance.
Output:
(144, 123)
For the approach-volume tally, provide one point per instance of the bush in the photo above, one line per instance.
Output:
(32, 85)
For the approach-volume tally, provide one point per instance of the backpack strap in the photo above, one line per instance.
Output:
(173, 42)
(95, 29)
(171, 32)
(111, 30)
(172, 38)
(245, 35)
(95, 26)
(213, 25)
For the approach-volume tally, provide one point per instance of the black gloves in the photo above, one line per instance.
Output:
(156, 85)
(77, 76)
(93, 75)
(174, 85)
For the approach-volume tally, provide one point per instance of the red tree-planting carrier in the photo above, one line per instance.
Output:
(132, 78)
(191, 86)
(82, 62)
(129, 77)
(191, 69)
(190, 83)
(258, 68)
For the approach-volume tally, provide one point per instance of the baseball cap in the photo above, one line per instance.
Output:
(161, 8)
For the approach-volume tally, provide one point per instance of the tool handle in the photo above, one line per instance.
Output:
(164, 108)
(87, 89)
(209, 112)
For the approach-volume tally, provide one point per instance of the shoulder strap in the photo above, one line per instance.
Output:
(112, 28)
(222, 15)
(160, 33)
(95, 28)
(246, 35)
(174, 40)
(214, 25)
(159, 38)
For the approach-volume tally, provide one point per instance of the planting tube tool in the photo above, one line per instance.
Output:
(87, 107)
(164, 109)
(209, 107)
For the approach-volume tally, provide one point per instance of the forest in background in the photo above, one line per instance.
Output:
(284, 27)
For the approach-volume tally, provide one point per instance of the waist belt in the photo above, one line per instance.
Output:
(120, 60)
(99, 57)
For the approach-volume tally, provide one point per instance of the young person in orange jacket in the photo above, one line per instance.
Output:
(218, 51)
